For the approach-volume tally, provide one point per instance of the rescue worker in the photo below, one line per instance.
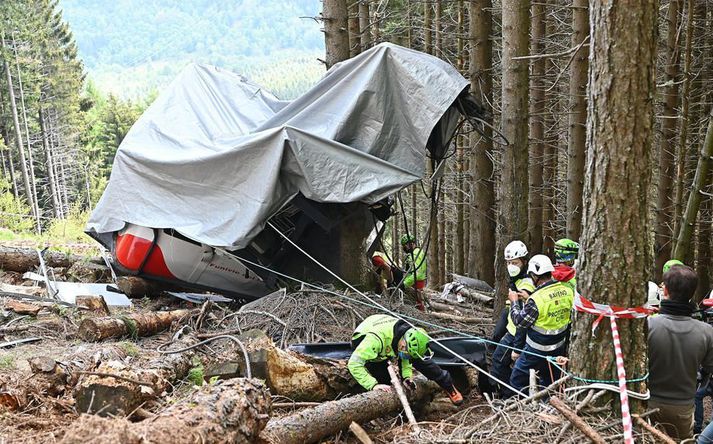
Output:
(546, 316)
(388, 275)
(566, 253)
(415, 269)
(381, 338)
(511, 336)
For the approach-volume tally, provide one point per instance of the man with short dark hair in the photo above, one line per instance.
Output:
(678, 346)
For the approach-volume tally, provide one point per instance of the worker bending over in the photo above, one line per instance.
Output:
(511, 336)
(387, 274)
(546, 316)
(382, 338)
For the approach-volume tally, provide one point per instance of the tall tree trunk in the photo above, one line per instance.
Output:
(336, 37)
(364, 24)
(513, 197)
(443, 229)
(683, 242)
(620, 128)
(10, 161)
(683, 134)
(577, 119)
(459, 201)
(664, 213)
(537, 128)
(438, 50)
(703, 262)
(427, 24)
(549, 167)
(31, 163)
(482, 214)
(354, 37)
(375, 23)
(18, 133)
(50, 167)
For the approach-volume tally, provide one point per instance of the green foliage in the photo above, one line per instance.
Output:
(129, 348)
(196, 375)
(69, 229)
(15, 214)
(7, 361)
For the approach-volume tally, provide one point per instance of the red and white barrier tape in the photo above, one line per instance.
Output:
(612, 312)
(621, 374)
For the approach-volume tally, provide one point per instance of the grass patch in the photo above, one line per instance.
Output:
(196, 375)
(7, 361)
(129, 348)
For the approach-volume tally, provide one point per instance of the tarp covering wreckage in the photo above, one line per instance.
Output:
(216, 156)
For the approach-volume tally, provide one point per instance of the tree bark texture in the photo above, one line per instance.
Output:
(513, 196)
(664, 204)
(314, 424)
(684, 246)
(482, 213)
(134, 324)
(336, 36)
(616, 263)
(577, 119)
(364, 19)
(537, 127)
(233, 411)
(354, 37)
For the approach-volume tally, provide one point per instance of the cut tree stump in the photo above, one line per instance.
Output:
(93, 303)
(314, 424)
(135, 325)
(22, 260)
(107, 395)
(232, 411)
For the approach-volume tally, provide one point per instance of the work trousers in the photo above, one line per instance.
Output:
(502, 361)
(677, 419)
(706, 390)
(546, 373)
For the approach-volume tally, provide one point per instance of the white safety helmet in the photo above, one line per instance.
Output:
(539, 265)
(515, 249)
(653, 298)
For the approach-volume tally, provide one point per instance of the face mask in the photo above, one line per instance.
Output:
(404, 356)
(513, 270)
(576, 264)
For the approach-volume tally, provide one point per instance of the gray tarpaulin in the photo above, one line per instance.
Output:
(215, 156)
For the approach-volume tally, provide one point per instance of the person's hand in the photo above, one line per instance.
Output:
(522, 294)
(409, 383)
(382, 388)
(512, 296)
(561, 360)
(514, 356)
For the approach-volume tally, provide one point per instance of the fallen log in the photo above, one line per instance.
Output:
(137, 287)
(578, 422)
(299, 377)
(134, 325)
(658, 434)
(22, 308)
(114, 388)
(475, 295)
(314, 424)
(231, 411)
(465, 319)
(22, 260)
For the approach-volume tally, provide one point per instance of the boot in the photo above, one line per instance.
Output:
(455, 396)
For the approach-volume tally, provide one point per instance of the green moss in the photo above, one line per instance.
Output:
(129, 348)
(7, 361)
(196, 375)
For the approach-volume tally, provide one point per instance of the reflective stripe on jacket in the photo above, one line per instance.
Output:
(554, 304)
(521, 284)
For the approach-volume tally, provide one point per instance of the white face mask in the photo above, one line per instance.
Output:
(576, 264)
(513, 270)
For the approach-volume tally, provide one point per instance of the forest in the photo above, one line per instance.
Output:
(599, 129)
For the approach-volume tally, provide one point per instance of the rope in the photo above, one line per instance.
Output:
(408, 318)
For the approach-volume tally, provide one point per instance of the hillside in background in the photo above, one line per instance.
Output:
(130, 47)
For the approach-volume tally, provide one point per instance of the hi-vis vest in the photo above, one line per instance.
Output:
(415, 260)
(521, 284)
(554, 304)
